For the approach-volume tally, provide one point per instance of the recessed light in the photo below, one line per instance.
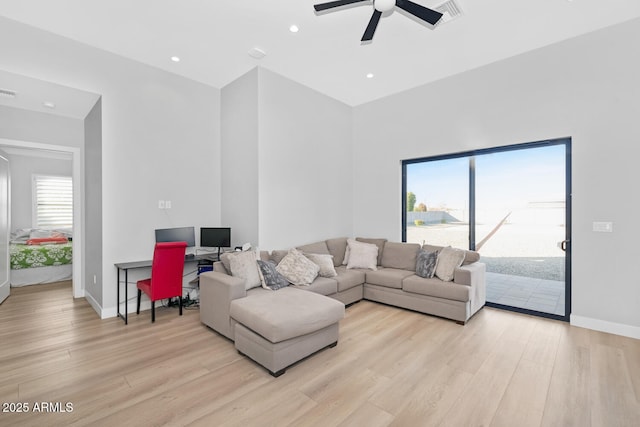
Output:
(49, 105)
(370, 75)
(175, 59)
(294, 29)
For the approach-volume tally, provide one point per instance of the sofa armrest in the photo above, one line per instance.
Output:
(217, 290)
(473, 275)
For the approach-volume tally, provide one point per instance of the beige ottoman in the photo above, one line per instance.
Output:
(279, 328)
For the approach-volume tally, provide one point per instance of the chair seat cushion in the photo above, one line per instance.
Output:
(145, 286)
(286, 313)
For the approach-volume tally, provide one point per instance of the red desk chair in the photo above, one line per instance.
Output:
(166, 275)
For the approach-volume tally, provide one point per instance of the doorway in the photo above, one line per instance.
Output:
(512, 205)
(75, 155)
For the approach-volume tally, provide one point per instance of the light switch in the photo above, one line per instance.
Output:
(603, 227)
(161, 204)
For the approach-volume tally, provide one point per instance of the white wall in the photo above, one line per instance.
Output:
(32, 126)
(586, 88)
(160, 141)
(287, 162)
(22, 170)
(305, 164)
(240, 139)
(92, 206)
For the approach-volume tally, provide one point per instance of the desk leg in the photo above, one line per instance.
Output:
(126, 297)
(120, 315)
(118, 292)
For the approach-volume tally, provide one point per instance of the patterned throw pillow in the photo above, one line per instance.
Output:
(297, 268)
(426, 263)
(270, 277)
(325, 262)
(448, 260)
(244, 266)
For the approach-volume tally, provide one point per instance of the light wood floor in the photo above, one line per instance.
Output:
(391, 367)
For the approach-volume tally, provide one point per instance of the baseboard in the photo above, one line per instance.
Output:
(93, 303)
(145, 305)
(606, 326)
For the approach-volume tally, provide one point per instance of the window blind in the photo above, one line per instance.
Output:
(53, 201)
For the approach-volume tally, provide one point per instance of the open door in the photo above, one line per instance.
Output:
(5, 211)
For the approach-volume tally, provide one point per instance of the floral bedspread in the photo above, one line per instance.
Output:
(27, 256)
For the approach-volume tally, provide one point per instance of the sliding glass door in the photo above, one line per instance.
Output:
(438, 202)
(511, 204)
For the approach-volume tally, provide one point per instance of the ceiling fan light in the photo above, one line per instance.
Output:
(384, 5)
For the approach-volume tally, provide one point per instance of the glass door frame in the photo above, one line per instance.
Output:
(471, 155)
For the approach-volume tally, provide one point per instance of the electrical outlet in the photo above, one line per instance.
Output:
(167, 204)
(161, 204)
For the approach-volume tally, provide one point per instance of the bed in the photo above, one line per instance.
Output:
(40, 260)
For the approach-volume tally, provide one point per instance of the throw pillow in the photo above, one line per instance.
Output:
(325, 262)
(426, 263)
(270, 277)
(345, 261)
(244, 266)
(448, 260)
(378, 242)
(362, 255)
(297, 268)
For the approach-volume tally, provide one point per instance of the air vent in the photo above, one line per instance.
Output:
(450, 10)
(6, 93)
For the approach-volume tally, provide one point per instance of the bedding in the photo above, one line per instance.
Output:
(31, 256)
(40, 256)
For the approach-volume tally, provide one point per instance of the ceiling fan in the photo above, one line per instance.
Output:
(381, 6)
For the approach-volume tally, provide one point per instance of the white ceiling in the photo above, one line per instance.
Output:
(212, 37)
(32, 94)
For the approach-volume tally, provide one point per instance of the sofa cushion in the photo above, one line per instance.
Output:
(270, 277)
(297, 268)
(286, 314)
(277, 255)
(325, 262)
(362, 255)
(469, 256)
(400, 255)
(315, 248)
(322, 286)
(388, 277)
(448, 260)
(436, 288)
(244, 266)
(426, 263)
(378, 242)
(348, 279)
(337, 247)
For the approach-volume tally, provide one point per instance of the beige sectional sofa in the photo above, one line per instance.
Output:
(279, 328)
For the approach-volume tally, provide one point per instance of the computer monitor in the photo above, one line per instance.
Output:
(178, 234)
(215, 237)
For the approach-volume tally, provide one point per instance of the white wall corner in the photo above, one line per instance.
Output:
(606, 326)
(97, 307)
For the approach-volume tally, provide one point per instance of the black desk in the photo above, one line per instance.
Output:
(126, 266)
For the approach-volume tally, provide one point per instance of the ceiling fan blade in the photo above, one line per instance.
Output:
(324, 6)
(371, 28)
(426, 14)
